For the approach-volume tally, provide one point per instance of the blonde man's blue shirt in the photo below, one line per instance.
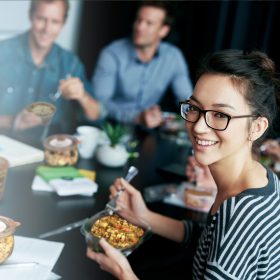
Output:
(22, 82)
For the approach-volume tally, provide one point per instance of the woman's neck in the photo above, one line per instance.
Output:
(232, 179)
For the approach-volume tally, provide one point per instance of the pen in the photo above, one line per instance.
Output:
(63, 228)
(18, 265)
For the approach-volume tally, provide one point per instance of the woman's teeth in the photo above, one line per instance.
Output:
(205, 142)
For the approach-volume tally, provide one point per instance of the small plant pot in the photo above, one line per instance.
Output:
(112, 156)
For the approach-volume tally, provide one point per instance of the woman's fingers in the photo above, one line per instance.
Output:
(128, 187)
(117, 186)
(109, 250)
(122, 185)
(92, 255)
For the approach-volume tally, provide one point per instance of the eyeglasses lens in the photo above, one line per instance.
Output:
(213, 119)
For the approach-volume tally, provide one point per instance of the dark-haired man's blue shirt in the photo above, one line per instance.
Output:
(128, 86)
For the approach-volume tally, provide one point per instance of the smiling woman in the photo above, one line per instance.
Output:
(232, 106)
(243, 99)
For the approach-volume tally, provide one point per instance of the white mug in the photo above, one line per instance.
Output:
(89, 138)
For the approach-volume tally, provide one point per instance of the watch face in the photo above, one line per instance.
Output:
(42, 109)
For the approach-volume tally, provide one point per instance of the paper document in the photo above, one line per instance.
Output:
(53, 276)
(18, 153)
(37, 257)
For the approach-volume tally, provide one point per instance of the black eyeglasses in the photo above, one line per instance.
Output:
(214, 119)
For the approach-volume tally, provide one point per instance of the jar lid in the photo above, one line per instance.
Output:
(7, 226)
(60, 142)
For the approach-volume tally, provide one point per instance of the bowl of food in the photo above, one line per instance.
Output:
(122, 234)
(61, 150)
(7, 229)
(44, 110)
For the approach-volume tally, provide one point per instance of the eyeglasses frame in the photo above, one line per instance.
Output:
(229, 117)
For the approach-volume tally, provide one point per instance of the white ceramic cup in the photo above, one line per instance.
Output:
(89, 138)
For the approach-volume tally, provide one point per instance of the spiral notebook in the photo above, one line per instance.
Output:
(18, 153)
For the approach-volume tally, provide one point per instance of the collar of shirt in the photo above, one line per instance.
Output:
(25, 53)
(135, 57)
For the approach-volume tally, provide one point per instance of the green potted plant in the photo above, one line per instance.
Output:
(113, 153)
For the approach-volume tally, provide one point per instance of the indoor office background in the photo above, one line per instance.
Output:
(200, 27)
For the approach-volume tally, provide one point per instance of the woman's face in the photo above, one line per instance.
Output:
(216, 92)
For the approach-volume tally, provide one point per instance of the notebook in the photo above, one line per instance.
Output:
(18, 153)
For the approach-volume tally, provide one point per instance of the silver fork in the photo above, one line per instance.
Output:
(112, 204)
(58, 93)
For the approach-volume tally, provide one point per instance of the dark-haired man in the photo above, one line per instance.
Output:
(132, 74)
(34, 68)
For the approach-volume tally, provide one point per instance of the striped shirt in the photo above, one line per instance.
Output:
(242, 240)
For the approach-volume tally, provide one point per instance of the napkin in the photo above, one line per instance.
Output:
(39, 184)
(65, 181)
(64, 187)
(80, 186)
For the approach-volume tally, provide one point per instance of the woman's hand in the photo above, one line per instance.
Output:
(152, 117)
(199, 174)
(272, 149)
(112, 261)
(130, 203)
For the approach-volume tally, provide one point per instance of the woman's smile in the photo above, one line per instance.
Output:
(202, 144)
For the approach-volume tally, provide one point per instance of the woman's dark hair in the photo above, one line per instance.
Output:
(253, 73)
(35, 3)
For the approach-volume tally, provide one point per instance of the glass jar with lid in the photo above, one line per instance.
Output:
(7, 229)
(61, 150)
